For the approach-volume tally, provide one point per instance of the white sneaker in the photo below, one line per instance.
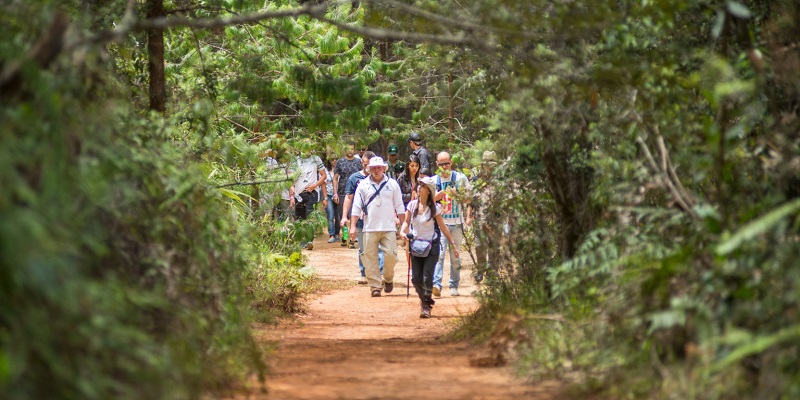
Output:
(454, 292)
(362, 280)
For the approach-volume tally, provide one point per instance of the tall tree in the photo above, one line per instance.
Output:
(155, 54)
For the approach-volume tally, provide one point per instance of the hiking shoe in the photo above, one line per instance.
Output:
(388, 287)
(352, 245)
(310, 246)
(425, 312)
(332, 239)
(454, 292)
(376, 293)
(437, 291)
(362, 280)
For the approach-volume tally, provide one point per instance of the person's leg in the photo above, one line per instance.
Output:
(330, 212)
(428, 266)
(417, 278)
(381, 258)
(438, 272)
(339, 211)
(389, 242)
(337, 221)
(370, 241)
(455, 262)
(300, 210)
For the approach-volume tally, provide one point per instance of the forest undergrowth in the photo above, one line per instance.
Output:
(640, 205)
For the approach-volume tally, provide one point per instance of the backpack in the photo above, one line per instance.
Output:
(453, 181)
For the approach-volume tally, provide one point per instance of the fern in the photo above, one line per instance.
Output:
(757, 345)
(757, 227)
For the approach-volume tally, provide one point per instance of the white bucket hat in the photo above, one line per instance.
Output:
(376, 162)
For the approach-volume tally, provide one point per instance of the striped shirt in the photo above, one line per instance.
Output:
(452, 210)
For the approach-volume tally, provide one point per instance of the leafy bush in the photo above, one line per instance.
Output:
(119, 267)
(280, 284)
(649, 195)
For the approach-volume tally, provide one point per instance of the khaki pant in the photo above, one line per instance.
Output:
(388, 241)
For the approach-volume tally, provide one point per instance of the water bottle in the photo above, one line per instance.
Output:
(345, 235)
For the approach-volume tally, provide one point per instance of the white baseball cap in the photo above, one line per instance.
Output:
(376, 162)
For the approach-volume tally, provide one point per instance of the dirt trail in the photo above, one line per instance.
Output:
(352, 346)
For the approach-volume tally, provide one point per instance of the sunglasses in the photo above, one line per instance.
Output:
(444, 164)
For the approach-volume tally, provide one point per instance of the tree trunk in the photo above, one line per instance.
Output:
(569, 184)
(452, 106)
(155, 51)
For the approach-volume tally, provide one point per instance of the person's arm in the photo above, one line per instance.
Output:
(439, 195)
(348, 202)
(399, 208)
(405, 228)
(401, 218)
(349, 189)
(446, 232)
(336, 187)
(406, 188)
(353, 221)
(325, 195)
(356, 204)
(323, 176)
(424, 160)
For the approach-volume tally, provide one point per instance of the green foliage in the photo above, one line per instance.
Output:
(643, 209)
(280, 283)
(647, 193)
(119, 266)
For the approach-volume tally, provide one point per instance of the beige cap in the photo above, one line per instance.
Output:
(430, 182)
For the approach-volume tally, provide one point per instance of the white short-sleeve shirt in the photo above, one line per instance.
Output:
(423, 225)
(379, 216)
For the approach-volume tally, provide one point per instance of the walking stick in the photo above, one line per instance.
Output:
(408, 275)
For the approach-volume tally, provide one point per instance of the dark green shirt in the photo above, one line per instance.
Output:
(395, 170)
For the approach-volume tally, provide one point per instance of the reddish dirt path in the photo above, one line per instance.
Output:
(352, 346)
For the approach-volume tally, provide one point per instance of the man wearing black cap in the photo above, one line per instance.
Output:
(416, 144)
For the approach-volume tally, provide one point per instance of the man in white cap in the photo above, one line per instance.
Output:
(379, 201)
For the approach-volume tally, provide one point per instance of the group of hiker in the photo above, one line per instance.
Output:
(375, 203)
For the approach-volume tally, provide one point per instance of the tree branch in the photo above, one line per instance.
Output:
(251, 183)
(386, 34)
(665, 178)
(419, 12)
(44, 52)
(316, 11)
